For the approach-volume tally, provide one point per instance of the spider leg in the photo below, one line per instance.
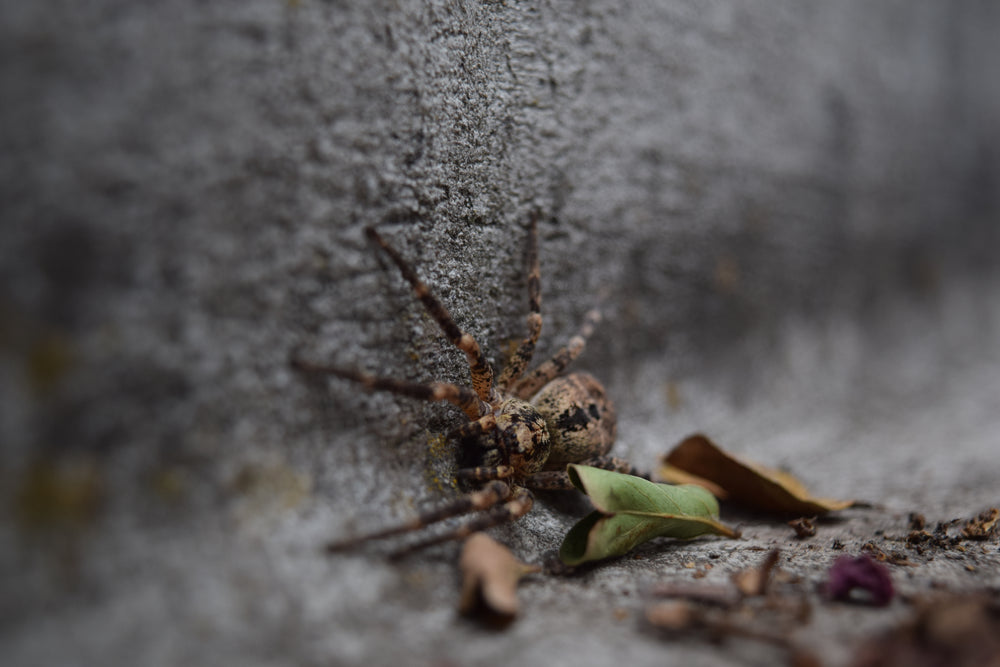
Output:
(479, 367)
(536, 379)
(522, 356)
(464, 398)
(489, 496)
(558, 480)
(512, 510)
(476, 428)
(484, 473)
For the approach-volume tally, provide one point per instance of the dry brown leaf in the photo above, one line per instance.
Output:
(490, 574)
(673, 475)
(746, 483)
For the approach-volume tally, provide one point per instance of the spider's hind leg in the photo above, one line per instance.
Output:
(486, 498)
(517, 506)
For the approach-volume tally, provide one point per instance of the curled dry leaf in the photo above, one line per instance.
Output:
(490, 575)
(631, 510)
(701, 461)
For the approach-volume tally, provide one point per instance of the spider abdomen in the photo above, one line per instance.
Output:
(581, 419)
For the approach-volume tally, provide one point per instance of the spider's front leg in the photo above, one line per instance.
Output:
(522, 356)
(479, 368)
(558, 480)
(465, 399)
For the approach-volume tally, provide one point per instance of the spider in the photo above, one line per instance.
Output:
(523, 429)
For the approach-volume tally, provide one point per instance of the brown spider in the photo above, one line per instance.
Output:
(522, 429)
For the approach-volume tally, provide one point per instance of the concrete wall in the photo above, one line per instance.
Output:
(787, 212)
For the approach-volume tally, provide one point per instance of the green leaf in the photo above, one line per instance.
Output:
(631, 510)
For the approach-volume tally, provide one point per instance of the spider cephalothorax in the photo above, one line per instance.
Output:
(523, 428)
(520, 440)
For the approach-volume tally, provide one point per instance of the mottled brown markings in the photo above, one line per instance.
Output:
(573, 400)
(523, 435)
(523, 431)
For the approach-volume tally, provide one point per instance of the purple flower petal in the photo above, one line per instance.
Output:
(862, 572)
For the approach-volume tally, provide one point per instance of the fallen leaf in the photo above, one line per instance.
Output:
(631, 510)
(490, 575)
(860, 573)
(673, 475)
(747, 483)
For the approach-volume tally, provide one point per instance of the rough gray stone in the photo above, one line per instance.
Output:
(786, 211)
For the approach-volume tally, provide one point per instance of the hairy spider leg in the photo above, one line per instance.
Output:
(538, 378)
(464, 398)
(474, 429)
(479, 368)
(486, 498)
(558, 480)
(522, 356)
(512, 510)
(484, 473)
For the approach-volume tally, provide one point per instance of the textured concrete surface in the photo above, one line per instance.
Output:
(786, 211)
